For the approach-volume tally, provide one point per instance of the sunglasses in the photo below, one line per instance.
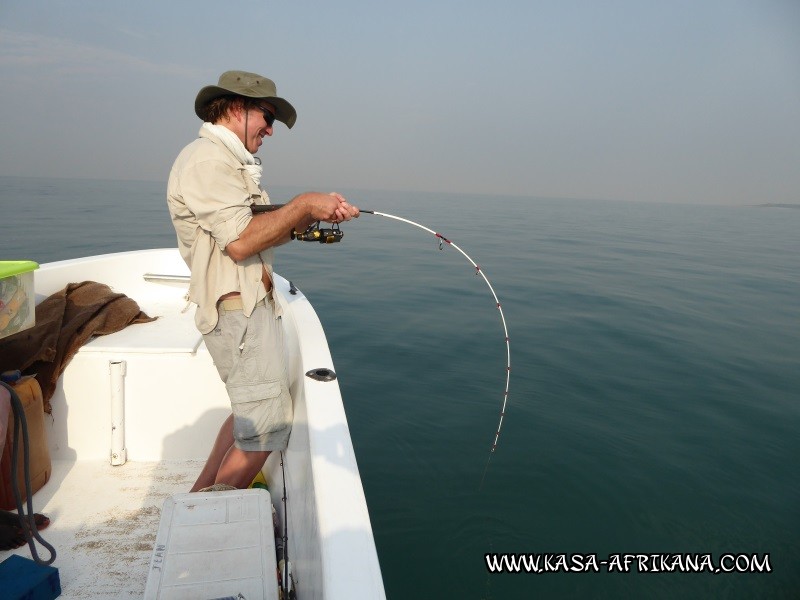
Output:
(268, 116)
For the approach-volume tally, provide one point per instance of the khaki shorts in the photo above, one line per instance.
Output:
(248, 353)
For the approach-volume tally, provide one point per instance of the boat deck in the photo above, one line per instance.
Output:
(104, 521)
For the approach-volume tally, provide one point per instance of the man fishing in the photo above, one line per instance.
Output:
(212, 187)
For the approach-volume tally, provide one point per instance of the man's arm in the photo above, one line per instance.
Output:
(266, 230)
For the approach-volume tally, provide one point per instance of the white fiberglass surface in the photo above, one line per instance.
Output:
(174, 403)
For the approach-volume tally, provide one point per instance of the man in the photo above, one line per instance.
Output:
(211, 188)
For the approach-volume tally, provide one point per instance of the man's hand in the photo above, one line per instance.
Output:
(272, 228)
(332, 208)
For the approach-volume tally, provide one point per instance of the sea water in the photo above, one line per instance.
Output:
(654, 403)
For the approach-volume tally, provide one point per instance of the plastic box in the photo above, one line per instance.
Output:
(23, 579)
(214, 545)
(17, 298)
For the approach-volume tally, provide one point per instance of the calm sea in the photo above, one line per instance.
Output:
(655, 388)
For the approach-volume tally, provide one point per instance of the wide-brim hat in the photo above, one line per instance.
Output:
(250, 85)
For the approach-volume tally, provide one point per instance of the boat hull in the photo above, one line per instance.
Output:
(174, 404)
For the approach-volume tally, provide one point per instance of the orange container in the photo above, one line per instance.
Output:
(30, 394)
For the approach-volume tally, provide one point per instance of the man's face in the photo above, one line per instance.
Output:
(258, 124)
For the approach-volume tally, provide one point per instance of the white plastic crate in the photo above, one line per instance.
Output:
(214, 545)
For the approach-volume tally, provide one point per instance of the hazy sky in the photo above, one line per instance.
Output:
(680, 101)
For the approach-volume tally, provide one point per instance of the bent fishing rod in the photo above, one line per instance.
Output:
(333, 234)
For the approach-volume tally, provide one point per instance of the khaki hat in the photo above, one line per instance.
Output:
(250, 85)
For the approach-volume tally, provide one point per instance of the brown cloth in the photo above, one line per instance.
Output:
(64, 322)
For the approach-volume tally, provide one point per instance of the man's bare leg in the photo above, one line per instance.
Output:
(239, 467)
(227, 464)
(223, 443)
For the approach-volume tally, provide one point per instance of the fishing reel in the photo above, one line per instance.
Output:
(312, 234)
(323, 236)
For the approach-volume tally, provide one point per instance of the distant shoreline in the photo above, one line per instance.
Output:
(770, 205)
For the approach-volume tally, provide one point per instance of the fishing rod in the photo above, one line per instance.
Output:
(332, 235)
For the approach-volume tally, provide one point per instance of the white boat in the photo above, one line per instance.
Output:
(104, 518)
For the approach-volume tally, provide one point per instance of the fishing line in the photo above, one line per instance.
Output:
(314, 233)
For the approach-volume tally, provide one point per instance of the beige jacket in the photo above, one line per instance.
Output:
(209, 195)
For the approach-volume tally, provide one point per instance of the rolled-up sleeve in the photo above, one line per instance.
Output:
(219, 199)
